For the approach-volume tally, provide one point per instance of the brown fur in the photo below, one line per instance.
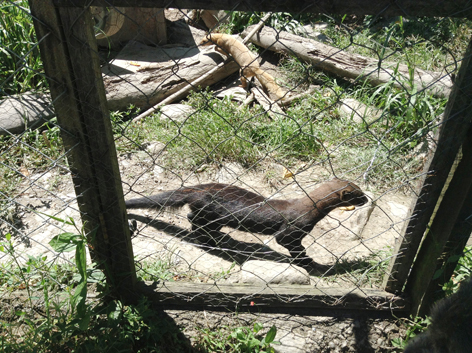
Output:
(229, 45)
(213, 206)
(451, 325)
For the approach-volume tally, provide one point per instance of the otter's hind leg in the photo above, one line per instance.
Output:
(292, 241)
(205, 231)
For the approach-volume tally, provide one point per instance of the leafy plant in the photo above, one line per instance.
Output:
(248, 340)
(462, 271)
(239, 340)
(71, 322)
(415, 326)
(66, 242)
(155, 270)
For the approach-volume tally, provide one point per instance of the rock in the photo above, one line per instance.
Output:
(398, 210)
(258, 271)
(155, 147)
(357, 111)
(176, 112)
(313, 32)
(236, 93)
(289, 342)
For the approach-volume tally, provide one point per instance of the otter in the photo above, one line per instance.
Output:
(213, 206)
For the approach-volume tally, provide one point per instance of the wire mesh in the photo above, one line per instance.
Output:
(265, 121)
(355, 105)
(37, 198)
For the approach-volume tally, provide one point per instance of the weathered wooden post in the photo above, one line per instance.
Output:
(71, 63)
(409, 265)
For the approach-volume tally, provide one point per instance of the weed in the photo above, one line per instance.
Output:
(240, 20)
(155, 270)
(415, 326)
(462, 271)
(220, 131)
(68, 321)
(240, 339)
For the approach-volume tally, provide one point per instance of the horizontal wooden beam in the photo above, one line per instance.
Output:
(270, 297)
(440, 8)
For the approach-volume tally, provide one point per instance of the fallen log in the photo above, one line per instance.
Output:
(140, 75)
(22, 111)
(143, 76)
(354, 66)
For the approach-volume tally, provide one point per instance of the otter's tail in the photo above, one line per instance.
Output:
(172, 199)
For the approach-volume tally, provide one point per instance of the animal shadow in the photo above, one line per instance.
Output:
(229, 249)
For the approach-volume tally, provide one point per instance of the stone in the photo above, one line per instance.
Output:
(258, 271)
(176, 112)
(289, 342)
(357, 111)
(236, 93)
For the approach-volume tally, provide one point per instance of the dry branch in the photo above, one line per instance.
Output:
(213, 73)
(350, 65)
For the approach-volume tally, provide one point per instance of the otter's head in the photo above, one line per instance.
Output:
(344, 193)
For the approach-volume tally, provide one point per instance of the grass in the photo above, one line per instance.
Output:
(219, 131)
(311, 130)
(20, 64)
(55, 319)
(34, 151)
(428, 43)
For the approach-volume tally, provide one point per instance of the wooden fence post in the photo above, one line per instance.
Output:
(457, 120)
(458, 237)
(71, 63)
(422, 283)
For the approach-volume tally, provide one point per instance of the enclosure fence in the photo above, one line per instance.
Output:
(136, 98)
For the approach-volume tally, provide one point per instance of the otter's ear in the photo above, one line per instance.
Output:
(344, 195)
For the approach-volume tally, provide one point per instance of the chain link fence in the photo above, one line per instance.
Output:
(265, 111)
(37, 198)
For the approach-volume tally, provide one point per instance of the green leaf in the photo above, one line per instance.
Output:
(58, 219)
(78, 299)
(257, 327)
(84, 322)
(269, 338)
(81, 260)
(64, 242)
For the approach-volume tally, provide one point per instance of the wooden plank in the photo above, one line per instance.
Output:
(72, 67)
(457, 120)
(456, 8)
(273, 297)
(450, 226)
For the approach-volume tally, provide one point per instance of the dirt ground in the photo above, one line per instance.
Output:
(342, 236)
